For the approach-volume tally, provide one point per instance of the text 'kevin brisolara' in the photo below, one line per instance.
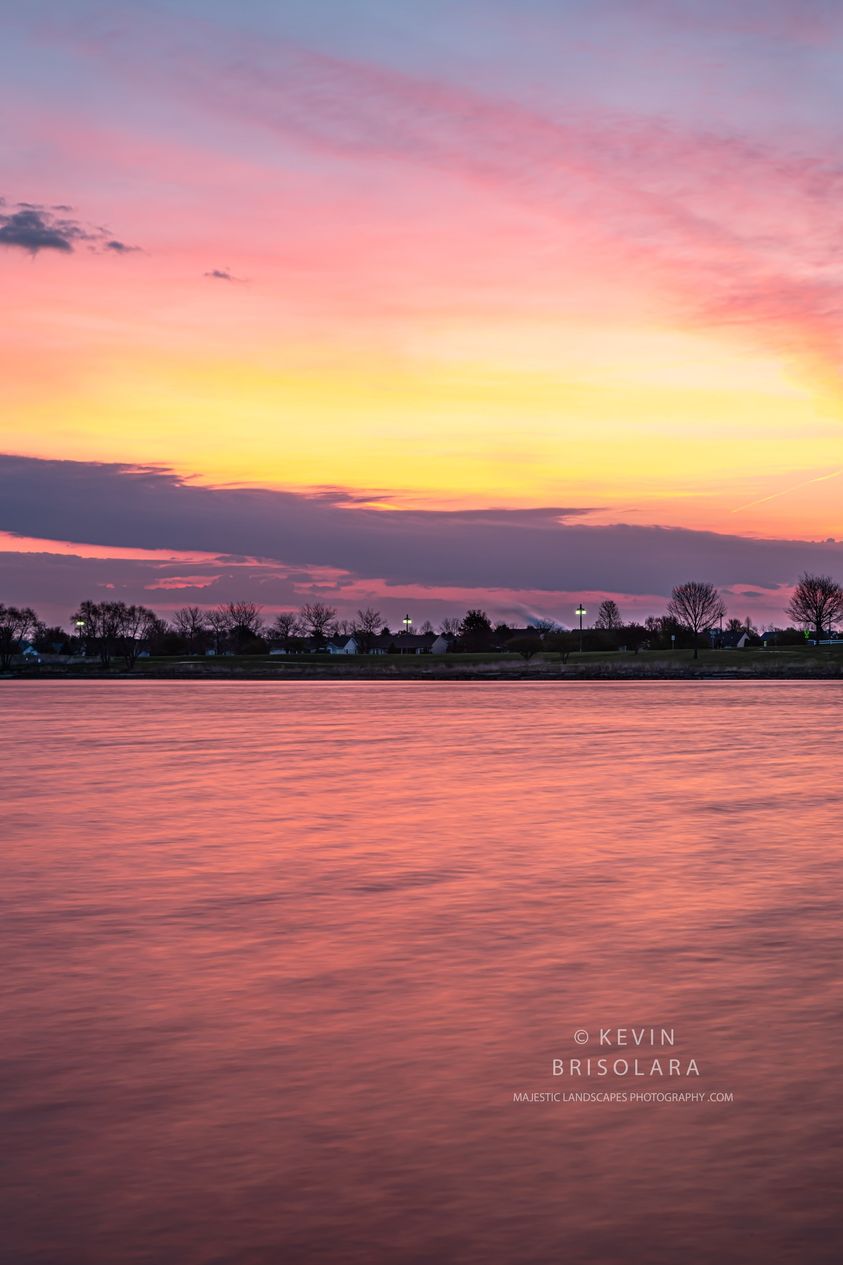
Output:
(625, 1067)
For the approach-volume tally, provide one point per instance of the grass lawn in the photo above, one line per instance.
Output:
(795, 659)
(792, 661)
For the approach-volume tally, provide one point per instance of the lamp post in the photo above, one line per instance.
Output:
(408, 623)
(581, 611)
(80, 624)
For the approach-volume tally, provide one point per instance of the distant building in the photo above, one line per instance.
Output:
(732, 640)
(412, 643)
(341, 645)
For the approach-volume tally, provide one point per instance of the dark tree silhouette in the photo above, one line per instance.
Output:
(318, 619)
(818, 602)
(98, 625)
(219, 625)
(526, 646)
(286, 627)
(245, 615)
(561, 640)
(634, 635)
(16, 624)
(52, 640)
(113, 628)
(475, 630)
(244, 623)
(697, 606)
(608, 616)
(367, 626)
(191, 623)
(134, 625)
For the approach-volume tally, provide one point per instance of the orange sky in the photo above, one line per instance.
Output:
(357, 258)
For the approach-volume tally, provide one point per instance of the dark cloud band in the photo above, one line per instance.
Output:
(544, 549)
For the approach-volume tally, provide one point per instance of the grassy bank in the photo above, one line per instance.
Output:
(799, 662)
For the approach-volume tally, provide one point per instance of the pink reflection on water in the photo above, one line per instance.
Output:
(279, 956)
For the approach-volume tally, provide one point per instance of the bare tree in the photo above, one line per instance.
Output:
(450, 627)
(318, 620)
(16, 624)
(527, 646)
(158, 635)
(735, 625)
(220, 626)
(114, 628)
(191, 623)
(367, 625)
(244, 621)
(286, 627)
(134, 625)
(608, 616)
(818, 602)
(697, 606)
(99, 628)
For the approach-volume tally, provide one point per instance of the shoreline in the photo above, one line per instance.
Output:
(440, 675)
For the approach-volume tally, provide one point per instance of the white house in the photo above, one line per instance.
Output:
(341, 645)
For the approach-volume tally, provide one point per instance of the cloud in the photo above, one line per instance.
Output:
(120, 248)
(34, 228)
(548, 550)
(732, 228)
(221, 274)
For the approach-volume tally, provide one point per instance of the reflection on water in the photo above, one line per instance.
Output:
(277, 958)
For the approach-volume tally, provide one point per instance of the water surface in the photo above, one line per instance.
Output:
(277, 957)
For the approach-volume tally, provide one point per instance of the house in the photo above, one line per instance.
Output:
(442, 644)
(412, 643)
(729, 640)
(341, 644)
(311, 645)
(28, 653)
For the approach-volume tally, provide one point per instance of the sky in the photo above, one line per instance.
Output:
(425, 307)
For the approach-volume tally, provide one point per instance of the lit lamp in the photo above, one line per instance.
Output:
(581, 611)
(408, 623)
(80, 624)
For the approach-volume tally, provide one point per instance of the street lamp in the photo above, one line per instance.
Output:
(80, 624)
(581, 611)
(408, 623)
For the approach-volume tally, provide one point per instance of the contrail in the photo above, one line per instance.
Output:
(820, 478)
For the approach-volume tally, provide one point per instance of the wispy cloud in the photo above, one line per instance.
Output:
(35, 228)
(792, 487)
(733, 229)
(222, 274)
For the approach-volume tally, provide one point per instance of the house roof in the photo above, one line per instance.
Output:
(413, 641)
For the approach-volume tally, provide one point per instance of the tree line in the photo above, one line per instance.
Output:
(117, 630)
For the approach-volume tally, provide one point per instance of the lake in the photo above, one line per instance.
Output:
(287, 968)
